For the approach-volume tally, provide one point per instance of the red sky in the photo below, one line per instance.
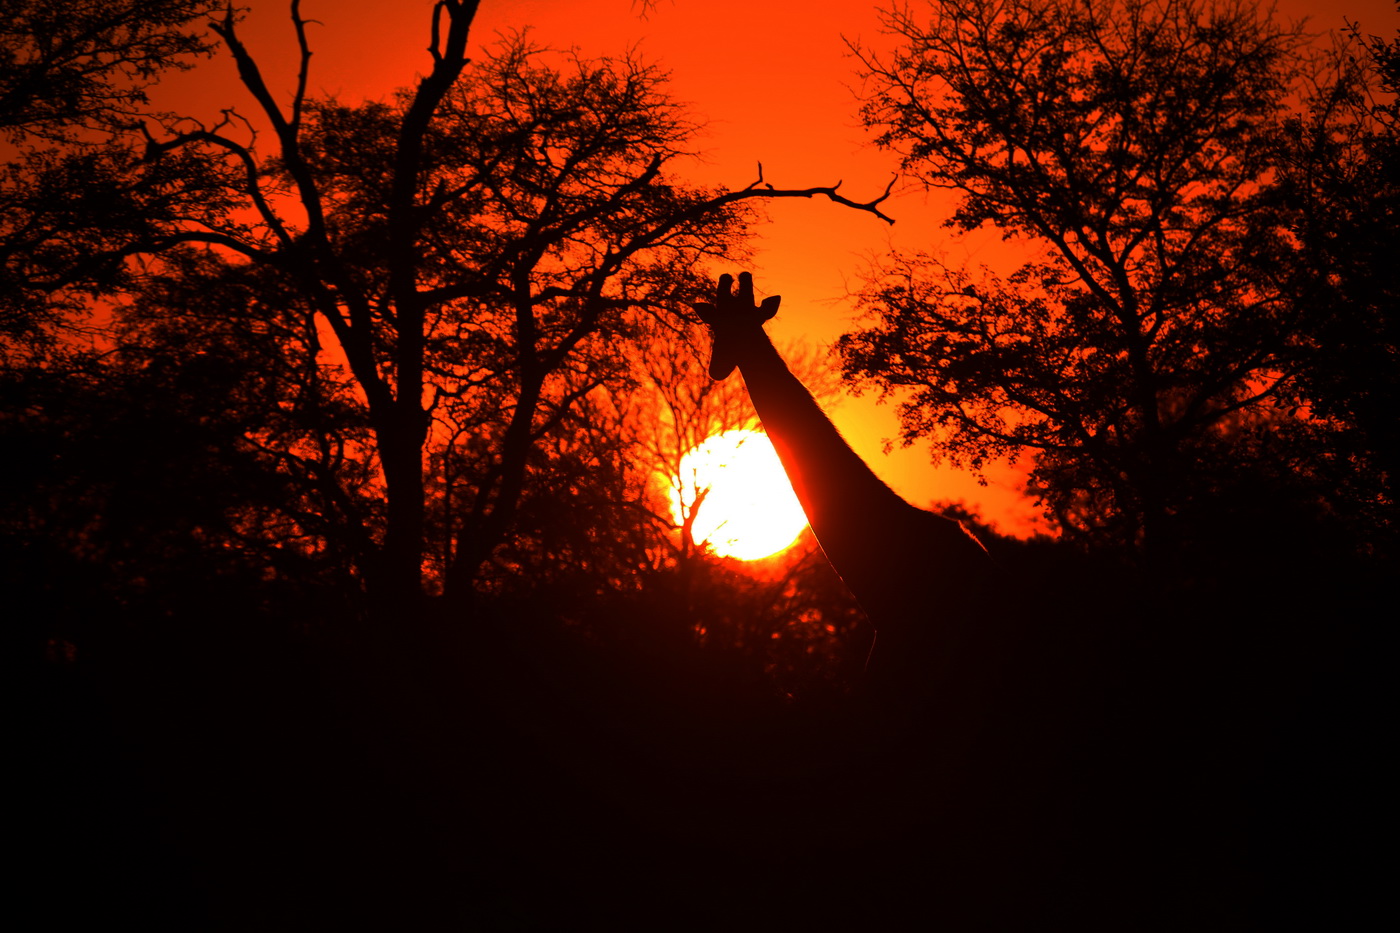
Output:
(774, 83)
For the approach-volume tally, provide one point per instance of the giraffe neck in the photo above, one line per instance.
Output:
(904, 565)
(843, 499)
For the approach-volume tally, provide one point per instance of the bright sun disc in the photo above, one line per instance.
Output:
(749, 510)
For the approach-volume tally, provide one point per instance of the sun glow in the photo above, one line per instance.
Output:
(746, 507)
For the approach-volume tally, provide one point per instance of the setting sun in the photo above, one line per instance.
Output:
(748, 510)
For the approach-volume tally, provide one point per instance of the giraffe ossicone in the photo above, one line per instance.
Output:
(729, 310)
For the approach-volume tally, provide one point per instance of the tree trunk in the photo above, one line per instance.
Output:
(396, 587)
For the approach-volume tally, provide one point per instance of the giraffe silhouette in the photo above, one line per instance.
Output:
(977, 759)
(916, 574)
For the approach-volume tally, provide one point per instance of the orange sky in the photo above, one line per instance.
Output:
(773, 82)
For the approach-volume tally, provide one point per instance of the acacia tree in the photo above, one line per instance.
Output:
(1131, 143)
(473, 249)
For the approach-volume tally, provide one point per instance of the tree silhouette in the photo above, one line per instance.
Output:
(1131, 144)
(471, 247)
(483, 257)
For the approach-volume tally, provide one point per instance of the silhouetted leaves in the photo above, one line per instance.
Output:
(69, 66)
(1339, 168)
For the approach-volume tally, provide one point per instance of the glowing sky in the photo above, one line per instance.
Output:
(774, 83)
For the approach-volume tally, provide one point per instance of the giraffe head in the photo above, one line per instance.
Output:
(732, 318)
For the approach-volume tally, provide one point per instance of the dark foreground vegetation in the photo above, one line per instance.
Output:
(1208, 761)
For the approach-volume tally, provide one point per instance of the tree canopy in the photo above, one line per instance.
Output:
(462, 278)
(1147, 355)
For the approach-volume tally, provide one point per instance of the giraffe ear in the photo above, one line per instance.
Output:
(769, 308)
